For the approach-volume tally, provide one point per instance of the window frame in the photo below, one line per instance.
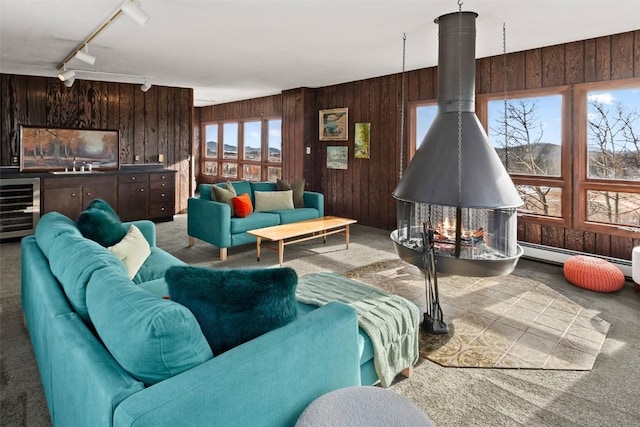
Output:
(264, 164)
(582, 182)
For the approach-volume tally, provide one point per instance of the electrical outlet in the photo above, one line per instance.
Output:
(136, 158)
(14, 160)
(308, 150)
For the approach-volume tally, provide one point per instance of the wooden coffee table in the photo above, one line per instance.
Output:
(287, 234)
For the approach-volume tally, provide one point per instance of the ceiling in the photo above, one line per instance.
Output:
(228, 50)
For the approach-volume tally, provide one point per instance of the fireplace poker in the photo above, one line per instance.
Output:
(433, 317)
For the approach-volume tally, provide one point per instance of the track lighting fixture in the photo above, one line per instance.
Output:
(66, 74)
(133, 11)
(145, 86)
(84, 56)
(69, 82)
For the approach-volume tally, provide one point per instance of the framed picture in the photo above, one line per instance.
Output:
(57, 149)
(361, 141)
(337, 157)
(334, 124)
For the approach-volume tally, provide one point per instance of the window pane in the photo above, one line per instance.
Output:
(424, 117)
(211, 141)
(252, 141)
(613, 134)
(275, 141)
(530, 142)
(613, 207)
(230, 170)
(274, 173)
(211, 168)
(230, 141)
(540, 200)
(251, 172)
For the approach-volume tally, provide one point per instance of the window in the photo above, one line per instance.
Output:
(245, 149)
(422, 115)
(608, 193)
(526, 130)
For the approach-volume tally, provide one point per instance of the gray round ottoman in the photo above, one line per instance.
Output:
(362, 406)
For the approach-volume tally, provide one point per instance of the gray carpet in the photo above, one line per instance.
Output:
(608, 395)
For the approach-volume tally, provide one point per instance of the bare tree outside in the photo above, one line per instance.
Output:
(519, 136)
(614, 154)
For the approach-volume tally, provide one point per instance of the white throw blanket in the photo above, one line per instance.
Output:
(390, 321)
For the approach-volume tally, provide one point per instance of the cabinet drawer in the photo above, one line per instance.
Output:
(159, 185)
(153, 177)
(87, 179)
(162, 196)
(133, 178)
(161, 210)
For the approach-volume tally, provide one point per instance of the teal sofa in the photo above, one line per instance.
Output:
(213, 222)
(82, 313)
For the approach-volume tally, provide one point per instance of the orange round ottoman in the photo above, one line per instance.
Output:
(594, 274)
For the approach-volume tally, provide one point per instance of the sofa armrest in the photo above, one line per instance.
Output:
(209, 221)
(266, 381)
(314, 200)
(147, 228)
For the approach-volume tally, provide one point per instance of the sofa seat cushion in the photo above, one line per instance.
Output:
(151, 338)
(235, 306)
(73, 261)
(365, 345)
(253, 221)
(295, 215)
(50, 226)
(155, 266)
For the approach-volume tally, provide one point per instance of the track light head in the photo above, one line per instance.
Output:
(134, 12)
(84, 56)
(69, 82)
(66, 74)
(145, 86)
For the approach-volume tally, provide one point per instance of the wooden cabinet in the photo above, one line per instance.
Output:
(71, 195)
(162, 195)
(149, 195)
(134, 195)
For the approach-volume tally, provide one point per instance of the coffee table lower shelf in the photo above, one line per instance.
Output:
(287, 234)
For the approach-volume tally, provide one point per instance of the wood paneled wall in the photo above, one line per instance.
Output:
(156, 122)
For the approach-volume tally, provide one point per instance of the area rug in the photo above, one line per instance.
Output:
(497, 322)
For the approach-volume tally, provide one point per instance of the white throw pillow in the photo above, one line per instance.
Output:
(133, 250)
(273, 200)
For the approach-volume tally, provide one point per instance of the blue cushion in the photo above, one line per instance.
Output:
(73, 260)
(50, 226)
(242, 187)
(235, 306)
(253, 221)
(150, 337)
(205, 191)
(155, 266)
(100, 223)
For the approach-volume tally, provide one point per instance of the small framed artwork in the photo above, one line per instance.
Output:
(334, 124)
(337, 157)
(54, 149)
(361, 141)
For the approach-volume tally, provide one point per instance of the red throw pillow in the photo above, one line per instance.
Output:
(242, 205)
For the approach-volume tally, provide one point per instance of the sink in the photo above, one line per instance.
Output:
(75, 173)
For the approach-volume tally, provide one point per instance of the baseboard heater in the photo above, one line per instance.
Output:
(559, 256)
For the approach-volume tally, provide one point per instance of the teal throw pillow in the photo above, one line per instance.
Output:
(235, 306)
(100, 223)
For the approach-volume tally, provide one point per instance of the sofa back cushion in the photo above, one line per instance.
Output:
(150, 337)
(73, 260)
(50, 226)
(242, 187)
(205, 191)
